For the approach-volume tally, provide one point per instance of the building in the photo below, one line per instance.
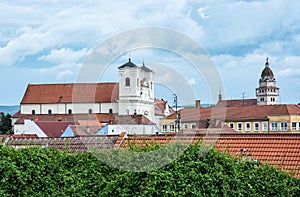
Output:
(263, 114)
(267, 93)
(132, 94)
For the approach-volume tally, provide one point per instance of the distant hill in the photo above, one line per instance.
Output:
(9, 109)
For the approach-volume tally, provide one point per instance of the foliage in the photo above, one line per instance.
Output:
(48, 172)
(5, 124)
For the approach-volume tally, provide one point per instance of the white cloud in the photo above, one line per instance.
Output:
(65, 55)
(239, 34)
(202, 12)
(192, 81)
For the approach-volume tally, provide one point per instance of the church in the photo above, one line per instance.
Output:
(132, 95)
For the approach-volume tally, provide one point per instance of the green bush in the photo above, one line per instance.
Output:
(48, 172)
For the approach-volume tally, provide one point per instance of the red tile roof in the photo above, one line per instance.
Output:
(237, 102)
(53, 128)
(159, 107)
(251, 112)
(69, 144)
(101, 118)
(279, 150)
(84, 130)
(24, 136)
(70, 93)
(16, 115)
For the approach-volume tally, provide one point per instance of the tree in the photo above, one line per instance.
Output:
(5, 124)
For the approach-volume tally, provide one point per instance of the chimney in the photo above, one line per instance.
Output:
(198, 102)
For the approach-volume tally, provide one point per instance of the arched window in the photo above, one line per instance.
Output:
(127, 81)
(33, 112)
(70, 111)
(90, 111)
(110, 111)
(49, 111)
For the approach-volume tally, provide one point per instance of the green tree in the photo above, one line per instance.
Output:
(5, 124)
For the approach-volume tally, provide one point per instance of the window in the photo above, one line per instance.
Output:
(294, 126)
(265, 126)
(231, 125)
(33, 112)
(193, 125)
(186, 126)
(247, 126)
(256, 126)
(172, 127)
(70, 111)
(239, 126)
(110, 111)
(283, 126)
(127, 81)
(274, 126)
(164, 127)
(49, 111)
(138, 82)
(90, 111)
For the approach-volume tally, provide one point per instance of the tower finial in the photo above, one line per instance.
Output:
(143, 62)
(129, 59)
(267, 62)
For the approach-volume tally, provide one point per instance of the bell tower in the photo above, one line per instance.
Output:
(136, 90)
(267, 93)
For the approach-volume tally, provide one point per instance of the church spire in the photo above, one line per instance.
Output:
(220, 95)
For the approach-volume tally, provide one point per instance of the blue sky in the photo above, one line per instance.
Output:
(47, 41)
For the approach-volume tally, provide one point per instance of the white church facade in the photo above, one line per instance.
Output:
(133, 94)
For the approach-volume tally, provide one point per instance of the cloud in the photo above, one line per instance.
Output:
(65, 55)
(192, 81)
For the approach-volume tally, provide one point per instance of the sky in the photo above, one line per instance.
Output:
(50, 41)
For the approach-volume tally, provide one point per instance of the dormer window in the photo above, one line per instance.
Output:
(127, 81)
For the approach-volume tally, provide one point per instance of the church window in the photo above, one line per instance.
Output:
(90, 111)
(110, 111)
(70, 111)
(49, 111)
(33, 112)
(231, 125)
(127, 81)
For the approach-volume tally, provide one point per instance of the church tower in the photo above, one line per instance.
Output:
(267, 93)
(136, 90)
